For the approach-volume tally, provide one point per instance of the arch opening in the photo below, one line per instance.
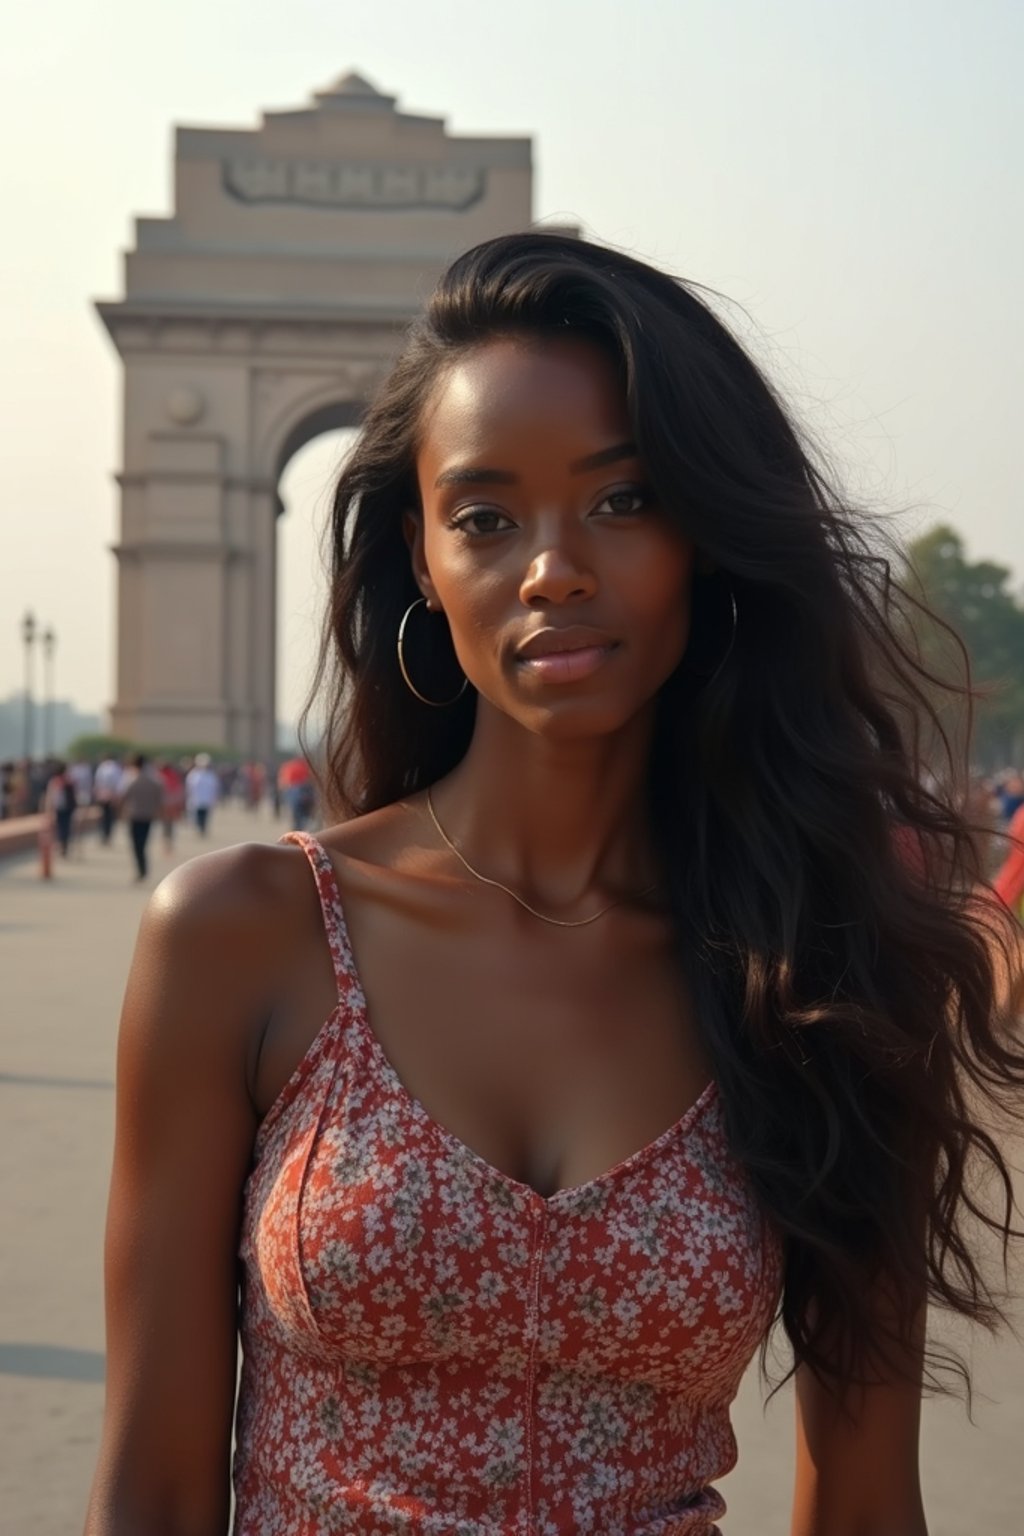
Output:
(308, 467)
(333, 417)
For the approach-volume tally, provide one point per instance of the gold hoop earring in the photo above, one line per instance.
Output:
(434, 703)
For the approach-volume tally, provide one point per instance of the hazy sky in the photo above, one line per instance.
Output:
(850, 171)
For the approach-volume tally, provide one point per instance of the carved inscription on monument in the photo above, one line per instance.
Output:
(331, 184)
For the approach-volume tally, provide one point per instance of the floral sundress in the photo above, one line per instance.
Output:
(432, 1348)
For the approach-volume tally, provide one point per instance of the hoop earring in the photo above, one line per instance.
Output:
(732, 639)
(434, 703)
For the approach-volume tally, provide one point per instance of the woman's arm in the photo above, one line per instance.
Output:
(183, 1141)
(857, 1473)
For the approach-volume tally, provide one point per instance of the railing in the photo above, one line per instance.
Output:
(20, 834)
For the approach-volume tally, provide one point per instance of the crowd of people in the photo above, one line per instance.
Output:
(143, 792)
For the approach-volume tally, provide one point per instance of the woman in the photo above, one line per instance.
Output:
(60, 803)
(658, 1006)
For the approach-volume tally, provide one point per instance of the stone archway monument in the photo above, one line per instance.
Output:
(260, 314)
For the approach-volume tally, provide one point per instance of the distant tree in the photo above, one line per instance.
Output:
(976, 599)
(95, 746)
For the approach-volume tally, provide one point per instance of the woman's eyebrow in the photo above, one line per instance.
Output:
(472, 474)
(603, 457)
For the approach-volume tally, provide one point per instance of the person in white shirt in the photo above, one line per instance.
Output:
(202, 791)
(80, 774)
(106, 787)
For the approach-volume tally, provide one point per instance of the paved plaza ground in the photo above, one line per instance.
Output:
(64, 953)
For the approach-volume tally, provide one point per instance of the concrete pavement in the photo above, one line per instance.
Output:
(65, 946)
(64, 953)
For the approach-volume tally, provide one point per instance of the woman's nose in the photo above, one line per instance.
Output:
(556, 576)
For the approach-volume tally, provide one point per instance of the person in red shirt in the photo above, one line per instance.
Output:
(174, 801)
(295, 781)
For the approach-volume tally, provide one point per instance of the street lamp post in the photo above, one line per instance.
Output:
(49, 642)
(28, 635)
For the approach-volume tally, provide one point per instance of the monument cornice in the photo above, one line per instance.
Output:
(145, 324)
(259, 484)
(184, 549)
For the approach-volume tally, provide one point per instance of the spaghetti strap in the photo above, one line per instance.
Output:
(330, 906)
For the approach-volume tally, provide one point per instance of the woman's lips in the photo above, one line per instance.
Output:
(567, 666)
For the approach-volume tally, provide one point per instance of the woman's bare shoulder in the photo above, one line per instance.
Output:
(233, 912)
(217, 947)
(229, 884)
(256, 903)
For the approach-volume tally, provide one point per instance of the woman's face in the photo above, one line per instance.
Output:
(565, 585)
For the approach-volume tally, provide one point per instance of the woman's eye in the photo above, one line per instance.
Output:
(481, 520)
(625, 503)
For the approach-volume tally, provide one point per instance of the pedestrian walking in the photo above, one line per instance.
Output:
(174, 801)
(141, 802)
(38, 772)
(19, 800)
(59, 803)
(80, 772)
(254, 784)
(295, 781)
(669, 1029)
(106, 789)
(7, 789)
(1011, 795)
(202, 791)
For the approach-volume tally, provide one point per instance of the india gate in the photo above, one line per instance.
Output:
(260, 314)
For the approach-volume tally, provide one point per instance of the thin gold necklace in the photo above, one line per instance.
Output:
(559, 922)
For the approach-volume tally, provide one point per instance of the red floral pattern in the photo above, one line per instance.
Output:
(431, 1348)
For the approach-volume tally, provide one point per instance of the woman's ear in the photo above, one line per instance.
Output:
(412, 530)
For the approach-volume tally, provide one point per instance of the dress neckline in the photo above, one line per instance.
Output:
(356, 1006)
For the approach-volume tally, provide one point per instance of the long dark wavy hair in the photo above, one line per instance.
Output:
(828, 907)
